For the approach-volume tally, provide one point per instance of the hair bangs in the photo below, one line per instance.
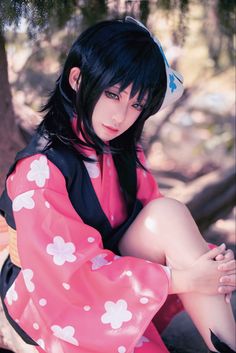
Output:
(136, 64)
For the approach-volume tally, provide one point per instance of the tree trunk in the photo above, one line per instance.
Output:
(10, 140)
(209, 197)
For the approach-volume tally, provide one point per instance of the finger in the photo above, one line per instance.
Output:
(226, 289)
(227, 266)
(219, 257)
(211, 254)
(228, 280)
(228, 298)
(226, 256)
(229, 254)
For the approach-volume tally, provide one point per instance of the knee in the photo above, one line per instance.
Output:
(167, 207)
(165, 214)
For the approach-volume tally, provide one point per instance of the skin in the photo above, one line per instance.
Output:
(115, 112)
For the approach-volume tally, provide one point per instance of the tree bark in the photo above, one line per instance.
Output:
(10, 139)
(209, 197)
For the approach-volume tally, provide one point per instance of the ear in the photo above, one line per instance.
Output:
(73, 78)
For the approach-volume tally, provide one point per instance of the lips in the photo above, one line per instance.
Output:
(111, 129)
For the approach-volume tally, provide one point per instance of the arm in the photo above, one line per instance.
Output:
(69, 285)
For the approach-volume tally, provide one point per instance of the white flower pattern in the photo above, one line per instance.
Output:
(43, 302)
(61, 251)
(141, 341)
(41, 343)
(65, 334)
(39, 171)
(23, 201)
(66, 285)
(28, 275)
(11, 295)
(116, 313)
(144, 300)
(99, 261)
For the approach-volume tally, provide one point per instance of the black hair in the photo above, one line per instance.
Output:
(108, 53)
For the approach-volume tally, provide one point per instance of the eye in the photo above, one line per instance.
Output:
(111, 95)
(138, 106)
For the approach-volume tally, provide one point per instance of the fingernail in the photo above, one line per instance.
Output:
(221, 279)
(227, 299)
(222, 245)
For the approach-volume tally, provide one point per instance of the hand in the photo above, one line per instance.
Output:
(227, 264)
(206, 277)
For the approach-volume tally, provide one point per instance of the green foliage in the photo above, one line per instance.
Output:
(39, 13)
(11, 12)
(48, 16)
(43, 14)
(93, 11)
(171, 5)
(226, 13)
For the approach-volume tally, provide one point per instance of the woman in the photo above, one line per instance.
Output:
(95, 249)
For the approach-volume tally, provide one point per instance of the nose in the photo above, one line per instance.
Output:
(119, 115)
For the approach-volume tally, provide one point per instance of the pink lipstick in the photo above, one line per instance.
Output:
(111, 129)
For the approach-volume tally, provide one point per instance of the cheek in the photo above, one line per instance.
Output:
(103, 107)
(97, 112)
(131, 120)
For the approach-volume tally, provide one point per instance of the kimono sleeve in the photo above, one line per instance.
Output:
(148, 189)
(71, 292)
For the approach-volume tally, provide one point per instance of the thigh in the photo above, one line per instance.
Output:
(140, 239)
(164, 229)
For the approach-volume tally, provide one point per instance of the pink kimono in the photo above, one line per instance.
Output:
(72, 295)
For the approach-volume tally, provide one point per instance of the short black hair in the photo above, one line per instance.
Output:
(108, 53)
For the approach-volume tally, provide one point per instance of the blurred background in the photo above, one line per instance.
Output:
(190, 145)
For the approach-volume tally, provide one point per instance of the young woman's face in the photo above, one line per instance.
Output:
(115, 112)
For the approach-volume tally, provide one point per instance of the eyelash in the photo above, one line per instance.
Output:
(115, 96)
(111, 95)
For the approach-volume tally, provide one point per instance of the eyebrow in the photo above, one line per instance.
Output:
(118, 87)
(144, 100)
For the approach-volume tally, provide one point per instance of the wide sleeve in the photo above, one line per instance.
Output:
(70, 291)
(148, 189)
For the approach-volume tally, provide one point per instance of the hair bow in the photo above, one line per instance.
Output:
(175, 88)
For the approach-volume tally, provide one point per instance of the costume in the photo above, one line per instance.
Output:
(65, 288)
(103, 302)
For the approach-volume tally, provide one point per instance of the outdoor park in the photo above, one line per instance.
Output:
(189, 145)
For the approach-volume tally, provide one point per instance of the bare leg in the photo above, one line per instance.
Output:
(165, 232)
